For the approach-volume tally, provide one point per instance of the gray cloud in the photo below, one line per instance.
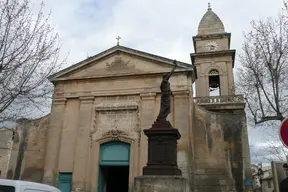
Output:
(163, 27)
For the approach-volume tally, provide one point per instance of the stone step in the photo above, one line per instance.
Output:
(212, 171)
(214, 181)
(214, 188)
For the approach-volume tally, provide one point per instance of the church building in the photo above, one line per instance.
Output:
(94, 142)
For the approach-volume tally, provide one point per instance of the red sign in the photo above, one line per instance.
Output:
(284, 132)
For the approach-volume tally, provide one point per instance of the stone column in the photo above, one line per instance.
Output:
(181, 122)
(53, 143)
(230, 77)
(147, 119)
(82, 149)
(205, 84)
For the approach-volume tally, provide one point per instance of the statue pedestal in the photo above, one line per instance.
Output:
(162, 149)
(149, 183)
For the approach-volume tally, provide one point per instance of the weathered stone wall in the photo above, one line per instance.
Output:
(28, 150)
(13, 155)
(34, 157)
(5, 150)
(221, 153)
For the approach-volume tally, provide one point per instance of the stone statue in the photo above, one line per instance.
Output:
(165, 95)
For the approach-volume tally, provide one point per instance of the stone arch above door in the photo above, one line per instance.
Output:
(114, 136)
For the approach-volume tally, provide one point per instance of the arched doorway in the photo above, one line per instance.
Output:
(114, 167)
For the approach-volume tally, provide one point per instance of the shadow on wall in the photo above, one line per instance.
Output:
(221, 147)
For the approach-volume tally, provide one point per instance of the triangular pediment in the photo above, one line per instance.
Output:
(119, 61)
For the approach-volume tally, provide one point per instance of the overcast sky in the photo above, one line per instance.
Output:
(162, 27)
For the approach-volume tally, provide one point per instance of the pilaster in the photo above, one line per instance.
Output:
(224, 84)
(181, 119)
(82, 148)
(147, 119)
(69, 136)
(53, 143)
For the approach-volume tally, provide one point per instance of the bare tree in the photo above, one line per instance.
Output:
(263, 76)
(29, 52)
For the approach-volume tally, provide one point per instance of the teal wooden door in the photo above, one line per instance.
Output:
(64, 182)
(115, 154)
(112, 154)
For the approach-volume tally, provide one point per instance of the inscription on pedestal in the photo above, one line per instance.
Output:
(162, 149)
(164, 152)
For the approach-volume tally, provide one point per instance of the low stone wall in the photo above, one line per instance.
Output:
(28, 150)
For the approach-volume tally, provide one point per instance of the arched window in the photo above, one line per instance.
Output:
(214, 83)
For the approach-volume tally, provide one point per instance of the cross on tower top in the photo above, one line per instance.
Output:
(118, 39)
(209, 7)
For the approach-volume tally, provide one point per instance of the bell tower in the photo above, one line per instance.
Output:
(213, 59)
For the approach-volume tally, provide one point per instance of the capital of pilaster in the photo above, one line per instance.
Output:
(86, 99)
(180, 94)
(148, 96)
(59, 101)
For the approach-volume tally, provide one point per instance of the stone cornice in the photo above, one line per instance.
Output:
(86, 99)
(100, 93)
(226, 102)
(148, 96)
(214, 54)
(121, 75)
(209, 36)
(116, 106)
(223, 106)
(180, 94)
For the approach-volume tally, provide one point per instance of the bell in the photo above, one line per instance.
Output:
(214, 84)
(214, 81)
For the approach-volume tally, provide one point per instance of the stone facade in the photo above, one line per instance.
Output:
(115, 95)
(101, 109)
(6, 142)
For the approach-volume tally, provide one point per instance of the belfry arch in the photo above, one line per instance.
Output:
(214, 83)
